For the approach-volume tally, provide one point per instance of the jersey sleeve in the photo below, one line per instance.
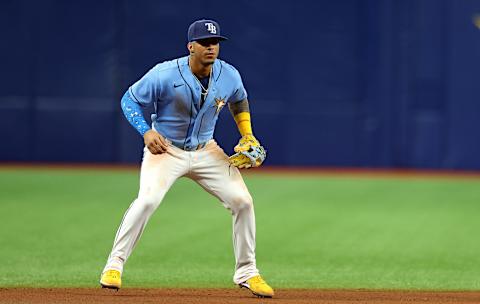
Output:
(147, 90)
(239, 93)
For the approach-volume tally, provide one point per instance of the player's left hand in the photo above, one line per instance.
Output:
(246, 142)
(249, 153)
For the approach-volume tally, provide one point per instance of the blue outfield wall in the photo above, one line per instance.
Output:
(355, 83)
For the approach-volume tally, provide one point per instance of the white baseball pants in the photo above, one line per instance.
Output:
(209, 167)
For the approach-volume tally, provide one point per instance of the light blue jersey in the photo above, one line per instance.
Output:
(175, 94)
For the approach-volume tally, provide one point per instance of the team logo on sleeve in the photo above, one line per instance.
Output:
(211, 27)
(219, 103)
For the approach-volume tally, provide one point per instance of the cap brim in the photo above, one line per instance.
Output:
(220, 38)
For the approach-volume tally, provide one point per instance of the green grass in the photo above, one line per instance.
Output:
(57, 228)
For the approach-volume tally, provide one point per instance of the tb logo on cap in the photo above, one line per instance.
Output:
(211, 27)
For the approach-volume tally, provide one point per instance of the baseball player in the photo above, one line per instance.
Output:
(188, 94)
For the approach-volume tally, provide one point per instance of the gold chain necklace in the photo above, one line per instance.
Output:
(200, 83)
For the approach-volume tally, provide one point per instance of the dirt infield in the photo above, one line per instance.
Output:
(227, 296)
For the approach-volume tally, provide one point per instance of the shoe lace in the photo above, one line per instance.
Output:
(112, 273)
(258, 280)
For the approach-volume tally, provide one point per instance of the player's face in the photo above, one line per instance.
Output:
(205, 50)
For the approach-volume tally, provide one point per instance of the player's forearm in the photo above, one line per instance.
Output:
(133, 113)
(241, 113)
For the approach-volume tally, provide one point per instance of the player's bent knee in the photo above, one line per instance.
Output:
(149, 203)
(242, 202)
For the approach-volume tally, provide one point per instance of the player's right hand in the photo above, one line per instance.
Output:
(155, 142)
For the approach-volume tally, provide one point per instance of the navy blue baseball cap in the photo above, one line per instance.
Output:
(203, 29)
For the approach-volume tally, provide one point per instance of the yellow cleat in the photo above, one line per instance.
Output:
(258, 287)
(111, 279)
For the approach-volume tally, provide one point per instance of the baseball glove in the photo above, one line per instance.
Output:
(249, 153)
